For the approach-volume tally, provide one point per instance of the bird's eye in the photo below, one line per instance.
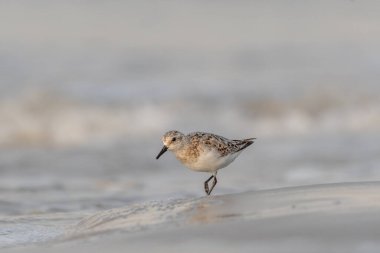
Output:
(174, 139)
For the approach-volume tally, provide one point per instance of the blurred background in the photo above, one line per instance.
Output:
(87, 88)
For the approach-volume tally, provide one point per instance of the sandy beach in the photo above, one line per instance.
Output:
(320, 218)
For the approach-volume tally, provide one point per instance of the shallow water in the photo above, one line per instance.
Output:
(88, 88)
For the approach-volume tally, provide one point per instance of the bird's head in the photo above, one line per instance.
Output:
(172, 140)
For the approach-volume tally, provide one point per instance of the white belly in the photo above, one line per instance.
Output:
(212, 161)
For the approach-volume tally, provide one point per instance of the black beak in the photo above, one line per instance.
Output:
(163, 150)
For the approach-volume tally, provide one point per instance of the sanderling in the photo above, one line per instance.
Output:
(203, 152)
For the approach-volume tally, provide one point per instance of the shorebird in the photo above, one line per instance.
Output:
(204, 152)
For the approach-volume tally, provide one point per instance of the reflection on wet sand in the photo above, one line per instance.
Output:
(345, 198)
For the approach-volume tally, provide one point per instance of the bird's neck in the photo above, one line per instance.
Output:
(185, 153)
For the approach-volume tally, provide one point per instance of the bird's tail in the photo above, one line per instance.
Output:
(245, 143)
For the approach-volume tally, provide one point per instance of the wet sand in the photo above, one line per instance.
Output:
(340, 217)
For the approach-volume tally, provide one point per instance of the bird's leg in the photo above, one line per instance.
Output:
(213, 184)
(206, 185)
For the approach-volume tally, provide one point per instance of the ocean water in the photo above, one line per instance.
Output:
(88, 88)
